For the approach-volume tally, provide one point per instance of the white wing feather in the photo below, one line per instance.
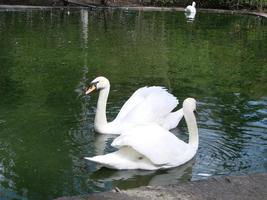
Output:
(147, 104)
(172, 119)
(158, 145)
(137, 97)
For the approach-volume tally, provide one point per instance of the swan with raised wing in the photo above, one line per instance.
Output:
(146, 105)
(151, 147)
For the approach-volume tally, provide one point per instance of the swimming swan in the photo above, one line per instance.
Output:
(191, 8)
(147, 104)
(190, 16)
(151, 147)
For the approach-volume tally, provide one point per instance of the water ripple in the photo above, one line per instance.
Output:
(229, 146)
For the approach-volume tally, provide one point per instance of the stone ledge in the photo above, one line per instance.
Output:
(249, 187)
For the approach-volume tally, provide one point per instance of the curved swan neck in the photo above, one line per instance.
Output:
(192, 127)
(100, 117)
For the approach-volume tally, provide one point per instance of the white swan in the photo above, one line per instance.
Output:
(147, 104)
(190, 16)
(151, 147)
(191, 8)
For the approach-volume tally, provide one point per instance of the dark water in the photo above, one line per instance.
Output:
(47, 57)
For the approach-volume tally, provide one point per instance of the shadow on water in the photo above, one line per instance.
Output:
(47, 58)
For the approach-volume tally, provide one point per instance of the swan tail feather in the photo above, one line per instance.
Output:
(104, 160)
(124, 158)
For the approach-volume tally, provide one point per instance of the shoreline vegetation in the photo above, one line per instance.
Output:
(136, 7)
(247, 5)
(41, 5)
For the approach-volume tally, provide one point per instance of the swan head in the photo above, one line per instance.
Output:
(190, 104)
(194, 4)
(98, 84)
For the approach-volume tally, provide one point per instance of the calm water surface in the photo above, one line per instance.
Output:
(47, 58)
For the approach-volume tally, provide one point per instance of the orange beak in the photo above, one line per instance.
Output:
(90, 89)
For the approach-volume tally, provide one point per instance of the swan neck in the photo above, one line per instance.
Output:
(192, 128)
(100, 117)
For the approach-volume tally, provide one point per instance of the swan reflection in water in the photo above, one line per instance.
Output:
(125, 179)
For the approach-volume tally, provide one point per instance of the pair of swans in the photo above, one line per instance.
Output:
(143, 122)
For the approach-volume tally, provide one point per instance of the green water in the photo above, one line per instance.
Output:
(47, 58)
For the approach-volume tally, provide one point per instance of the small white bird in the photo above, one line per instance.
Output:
(146, 105)
(151, 147)
(190, 16)
(191, 8)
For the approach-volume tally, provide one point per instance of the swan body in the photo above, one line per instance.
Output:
(151, 147)
(191, 8)
(146, 105)
(190, 16)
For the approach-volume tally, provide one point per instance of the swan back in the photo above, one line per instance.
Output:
(158, 145)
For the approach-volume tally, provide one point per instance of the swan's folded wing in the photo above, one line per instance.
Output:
(158, 145)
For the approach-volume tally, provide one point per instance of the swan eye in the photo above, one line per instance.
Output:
(94, 84)
(140, 158)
